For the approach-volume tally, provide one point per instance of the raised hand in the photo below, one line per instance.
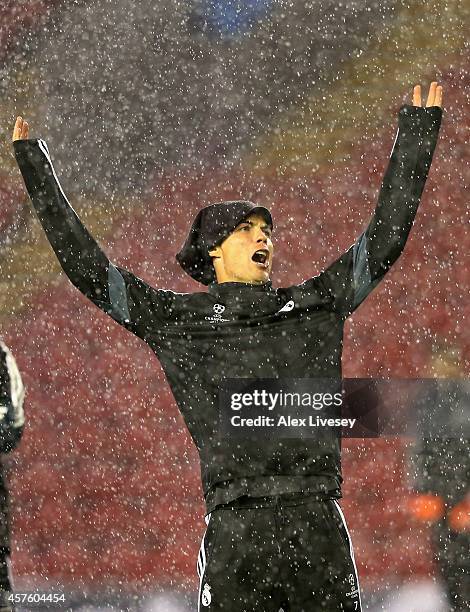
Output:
(434, 96)
(21, 129)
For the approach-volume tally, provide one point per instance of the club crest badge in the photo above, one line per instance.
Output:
(206, 595)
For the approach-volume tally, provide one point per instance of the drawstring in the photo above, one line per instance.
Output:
(279, 513)
(280, 509)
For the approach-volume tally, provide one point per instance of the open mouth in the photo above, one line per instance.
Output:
(261, 258)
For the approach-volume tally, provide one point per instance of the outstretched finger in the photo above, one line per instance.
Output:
(25, 130)
(438, 98)
(17, 128)
(432, 94)
(417, 95)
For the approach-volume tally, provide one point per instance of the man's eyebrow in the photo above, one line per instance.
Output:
(251, 223)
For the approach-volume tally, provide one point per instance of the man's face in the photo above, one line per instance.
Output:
(235, 260)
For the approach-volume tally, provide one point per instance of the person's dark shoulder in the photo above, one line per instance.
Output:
(311, 291)
(180, 302)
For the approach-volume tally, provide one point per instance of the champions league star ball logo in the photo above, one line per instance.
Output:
(206, 595)
(217, 316)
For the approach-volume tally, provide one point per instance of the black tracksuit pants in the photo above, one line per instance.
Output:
(290, 551)
(451, 554)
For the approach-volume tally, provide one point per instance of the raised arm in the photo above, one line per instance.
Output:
(11, 401)
(351, 278)
(122, 295)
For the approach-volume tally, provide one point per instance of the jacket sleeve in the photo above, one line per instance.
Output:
(352, 277)
(11, 401)
(122, 295)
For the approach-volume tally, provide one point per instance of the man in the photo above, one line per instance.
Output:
(275, 533)
(440, 463)
(11, 430)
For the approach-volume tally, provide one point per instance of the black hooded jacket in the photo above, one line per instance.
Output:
(440, 457)
(11, 428)
(241, 330)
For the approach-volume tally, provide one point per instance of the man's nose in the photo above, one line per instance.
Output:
(261, 237)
